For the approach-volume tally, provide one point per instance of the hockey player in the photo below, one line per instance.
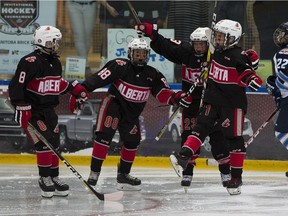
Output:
(277, 85)
(34, 92)
(193, 60)
(132, 81)
(224, 100)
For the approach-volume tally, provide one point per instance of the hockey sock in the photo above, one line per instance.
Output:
(98, 155)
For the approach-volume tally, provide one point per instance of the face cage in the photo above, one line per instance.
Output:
(199, 55)
(227, 41)
(280, 38)
(136, 62)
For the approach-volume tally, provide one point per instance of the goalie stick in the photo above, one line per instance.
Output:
(212, 162)
(104, 197)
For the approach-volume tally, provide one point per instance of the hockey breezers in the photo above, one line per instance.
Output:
(104, 197)
(212, 162)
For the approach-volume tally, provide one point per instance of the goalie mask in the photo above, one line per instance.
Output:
(138, 52)
(226, 34)
(280, 36)
(199, 41)
(47, 39)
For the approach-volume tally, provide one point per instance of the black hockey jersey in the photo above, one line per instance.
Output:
(37, 81)
(225, 72)
(131, 85)
(180, 52)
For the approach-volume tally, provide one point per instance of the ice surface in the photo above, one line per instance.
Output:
(263, 193)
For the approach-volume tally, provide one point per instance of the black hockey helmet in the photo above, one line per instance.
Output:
(280, 35)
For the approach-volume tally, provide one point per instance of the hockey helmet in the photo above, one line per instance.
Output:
(199, 35)
(232, 32)
(47, 38)
(280, 35)
(138, 51)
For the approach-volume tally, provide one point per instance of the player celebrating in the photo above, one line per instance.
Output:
(224, 100)
(193, 60)
(132, 81)
(34, 92)
(277, 85)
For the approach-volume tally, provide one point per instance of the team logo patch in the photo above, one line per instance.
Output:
(31, 59)
(134, 130)
(226, 123)
(41, 125)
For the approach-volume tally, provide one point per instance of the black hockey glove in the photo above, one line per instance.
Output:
(273, 90)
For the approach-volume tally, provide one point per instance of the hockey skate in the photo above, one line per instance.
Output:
(126, 182)
(47, 187)
(225, 178)
(61, 189)
(186, 182)
(93, 178)
(179, 163)
(234, 186)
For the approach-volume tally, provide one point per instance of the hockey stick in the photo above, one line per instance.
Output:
(203, 76)
(212, 162)
(133, 12)
(261, 128)
(110, 197)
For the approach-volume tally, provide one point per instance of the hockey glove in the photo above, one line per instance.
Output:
(273, 90)
(79, 91)
(149, 30)
(23, 115)
(75, 104)
(254, 58)
(255, 83)
(180, 98)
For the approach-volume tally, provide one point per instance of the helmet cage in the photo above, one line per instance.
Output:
(47, 39)
(232, 34)
(280, 35)
(199, 35)
(138, 44)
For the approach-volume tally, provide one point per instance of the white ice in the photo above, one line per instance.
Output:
(263, 193)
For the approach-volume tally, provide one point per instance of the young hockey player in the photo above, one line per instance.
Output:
(277, 85)
(132, 81)
(193, 58)
(34, 92)
(224, 100)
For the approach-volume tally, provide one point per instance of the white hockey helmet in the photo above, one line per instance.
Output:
(280, 35)
(232, 31)
(199, 35)
(46, 38)
(138, 44)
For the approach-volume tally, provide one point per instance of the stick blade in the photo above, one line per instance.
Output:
(113, 196)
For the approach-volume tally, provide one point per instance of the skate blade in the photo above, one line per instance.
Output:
(234, 191)
(177, 168)
(185, 189)
(61, 193)
(47, 194)
(127, 187)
